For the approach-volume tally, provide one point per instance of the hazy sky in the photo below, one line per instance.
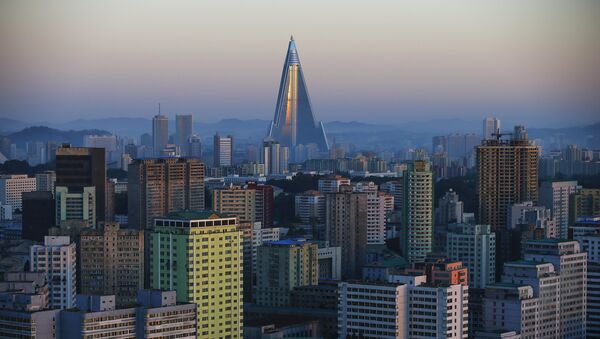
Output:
(535, 62)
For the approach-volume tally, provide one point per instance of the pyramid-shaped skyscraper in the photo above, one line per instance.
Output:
(294, 123)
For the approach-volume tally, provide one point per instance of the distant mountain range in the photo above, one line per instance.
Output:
(43, 134)
(363, 135)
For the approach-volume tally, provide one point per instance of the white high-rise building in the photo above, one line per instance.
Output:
(332, 184)
(57, 259)
(11, 188)
(274, 157)
(475, 246)
(450, 209)
(526, 301)
(571, 265)
(438, 311)
(490, 127)
(373, 310)
(394, 188)
(526, 213)
(406, 307)
(590, 242)
(310, 207)
(377, 207)
(555, 196)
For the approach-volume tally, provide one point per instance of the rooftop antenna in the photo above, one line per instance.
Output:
(159, 108)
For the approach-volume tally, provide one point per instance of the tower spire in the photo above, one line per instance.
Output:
(294, 123)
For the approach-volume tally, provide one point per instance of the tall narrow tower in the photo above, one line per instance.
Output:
(294, 123)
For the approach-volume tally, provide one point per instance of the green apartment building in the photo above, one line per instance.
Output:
(199, 254)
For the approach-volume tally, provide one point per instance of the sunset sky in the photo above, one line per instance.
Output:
(532, 62)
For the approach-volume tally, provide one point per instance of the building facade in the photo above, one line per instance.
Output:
(280, 267)
(346, 224)
(159, 186)
(79, 167)
(475, 246)
(416, 240)
(556, 196)
(12, 187)
(200, 256)
(223, 150)
(507, 174)
(57, 259)
(160, 133)
(80, 206)
(183, 131)
(112, 262)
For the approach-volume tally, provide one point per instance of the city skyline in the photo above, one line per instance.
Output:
(527, 63)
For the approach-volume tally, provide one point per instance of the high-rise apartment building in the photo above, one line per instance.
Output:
(585, 203)
(183, 131)
(491, 127)
(571, 265)
(589, 240)
(507, 173)
(377, 209)
(11, 188)
(80, 206)
(79, 167)
(281, 266)
(236, 201)
(222, 150)
(57, 259)
(395, 188)
(159, 186)
(199, 255)
(555, 196)
(475, 246)
(438, 311)
(407, 307)
(346, 225)
(112, 262)
(45, 181)
(416, 240)
(310, 207)
(160, 133)
(38, 214)
(450, 209)
(265, 203)
(275, 157)
(332, 184)
(385, 317)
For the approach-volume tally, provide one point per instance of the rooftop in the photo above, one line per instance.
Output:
(550, 240)
(527, 262)
(188, 215)
(296, 241)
